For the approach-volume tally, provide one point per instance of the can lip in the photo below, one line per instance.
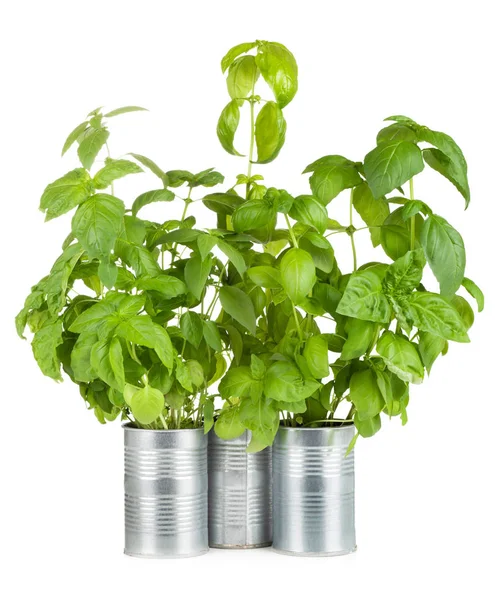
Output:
(130, 427)
(343, 425)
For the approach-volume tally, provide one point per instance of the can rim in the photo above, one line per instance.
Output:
(130, 427)
(344, 425)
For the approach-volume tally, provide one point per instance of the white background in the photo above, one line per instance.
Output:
(424, 492)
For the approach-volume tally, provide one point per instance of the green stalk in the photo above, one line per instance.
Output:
(291, 232)
(353, 245)
(251, 138)
(413, 218)
(187, 201)
(296, 319)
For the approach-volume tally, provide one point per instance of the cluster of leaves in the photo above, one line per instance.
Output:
(278, 67)
(170, 309)
(118, 311)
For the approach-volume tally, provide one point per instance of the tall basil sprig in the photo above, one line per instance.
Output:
(122, 309)
(249, 222)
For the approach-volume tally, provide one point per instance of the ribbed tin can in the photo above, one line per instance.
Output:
(166, 492)
(313, 491)
(239, 494)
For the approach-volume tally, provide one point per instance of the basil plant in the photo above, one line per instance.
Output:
(122, 310)
(387, 329)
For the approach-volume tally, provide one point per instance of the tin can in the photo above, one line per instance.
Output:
(166, 492)
(239, 494)
(313, 491)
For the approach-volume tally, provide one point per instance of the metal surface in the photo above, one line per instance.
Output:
(239, 494)
(166, 493)
(313, 491)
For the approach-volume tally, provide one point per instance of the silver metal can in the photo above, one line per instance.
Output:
(313, 491)
(239, 494)
(166, 492)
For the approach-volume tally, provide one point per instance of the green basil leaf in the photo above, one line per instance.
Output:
(395, 236)
(146, 404)
(137, 257)
(228, 426)
(475, 292)
(80, 361)
(108, 362)
(206, 178)
(114, 169)
(391, 164)
(152, 166)
(220, 367)
(208, 412)
(91, 143)
(74, 135)
(227, 127)
(297, 272)
(367, 427)
(447, 159)
(260, 416)
(56, 284)
(206, 243)
(107, 272)
(405, 273)
(160, 378)
(330, 160)
(365, 394)
(364, 298)
(236, 383)
(328, 296)
(464, 309)
(183, 376)
(332, 175)
(257, 367)
(360, 336)
(66, 193)
(45, 343)
(223, 204)
(270, 131)
(142, 331)
(134, 230)
(395, 392)
(372, 210)
(433, 313)
(124, 109)
(279, 69)
(445, 253)
(430, 347)
(234, 52)
(316, 354)
(243, 74)
(212, 335)
(168, 286)
(402, 119)
(252, 215)
(320, 249)
(396, 132)
(97, 223)
(150, 197)
(413, 207)
(239, 306)
(265, 277)
(307, 210)
(401, 357)
(196, 273)
(284, 382)
(191, 327)
(233, 255)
